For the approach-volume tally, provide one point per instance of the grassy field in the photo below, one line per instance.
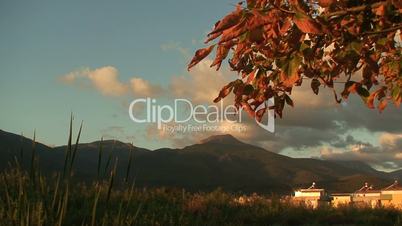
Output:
(57, 202)
(29, 198)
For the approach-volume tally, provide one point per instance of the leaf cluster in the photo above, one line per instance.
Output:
(276, 45)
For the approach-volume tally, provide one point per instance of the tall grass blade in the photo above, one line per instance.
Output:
(56, 190)
(6, 188)
(94, 207)
(111, 181)
(130, 196)
(137, 213)
(28, 213)
(129, 166)
(68, 150)
(32, 172)
(109, 160)
(100, 158)
(75, 149)
(22, 149)
(63, 207)
(117, 219)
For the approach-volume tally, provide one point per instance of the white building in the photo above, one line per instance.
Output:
(312, 196)
(367, 196)
(341, 199)
(391, 196)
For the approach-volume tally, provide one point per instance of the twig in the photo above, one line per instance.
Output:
(355, 9)
(283, 10)
(383, 31)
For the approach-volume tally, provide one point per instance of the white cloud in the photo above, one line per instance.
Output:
(143, 88)
(391, 142)
(388, 151)
(71, 77)
(203, 83)
(106, 81)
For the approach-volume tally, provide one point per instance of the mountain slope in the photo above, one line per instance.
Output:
(397, 175)
(12, 145)
(218, 161)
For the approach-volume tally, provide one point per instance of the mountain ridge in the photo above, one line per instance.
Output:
(223, 139)
(218, 161)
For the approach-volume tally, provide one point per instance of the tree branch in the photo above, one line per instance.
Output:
(394, 28)
(283, 10)
(355, 9)
(340, 12)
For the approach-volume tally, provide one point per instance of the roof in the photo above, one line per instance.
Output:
(341, 194)
(367, 189)
(311, 190)
(393, 187)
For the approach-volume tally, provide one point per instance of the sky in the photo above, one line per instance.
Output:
(92, 58)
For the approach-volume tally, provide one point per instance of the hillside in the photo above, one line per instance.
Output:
(218, 161)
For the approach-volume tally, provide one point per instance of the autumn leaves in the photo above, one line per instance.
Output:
(274, 44)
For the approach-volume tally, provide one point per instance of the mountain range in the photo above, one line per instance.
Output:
(218, 161)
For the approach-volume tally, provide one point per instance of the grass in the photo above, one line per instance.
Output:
(29, 198)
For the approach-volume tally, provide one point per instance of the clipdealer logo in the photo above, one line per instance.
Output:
(183, 111)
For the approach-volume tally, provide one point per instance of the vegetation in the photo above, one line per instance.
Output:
(48, 204)
(27, 197)
(54, 202)
(348, 46)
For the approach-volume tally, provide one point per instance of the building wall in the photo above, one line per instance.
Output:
(371, 201)
(384, 198)
(310, 202)
(392, 199)
(341, 200)
(310, 198)
(307, 194)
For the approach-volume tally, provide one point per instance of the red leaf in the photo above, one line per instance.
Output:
(212, 37)
(200, 55)
(380, 10)
(289, 101)
(221, 53)
(397, 4)
(382, 105)
(315, 86)
(239, 51)
(325, 3)
(250, 3)
(370, 100)
(228, 21)
(285, 27)
(289, 71)
(224, 92)
(257, 20)
(260, 113)
(246, 106)
(251, 77)
(306, 24)
(353, 88)
(397, 101)
(350, 86)
(233, 32)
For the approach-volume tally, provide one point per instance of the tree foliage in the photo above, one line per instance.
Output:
(276, 45)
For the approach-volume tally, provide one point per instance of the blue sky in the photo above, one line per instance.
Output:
(53, 53)
(42, 40)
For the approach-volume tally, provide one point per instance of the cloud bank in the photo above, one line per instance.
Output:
(106, 80)
(316, 127)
